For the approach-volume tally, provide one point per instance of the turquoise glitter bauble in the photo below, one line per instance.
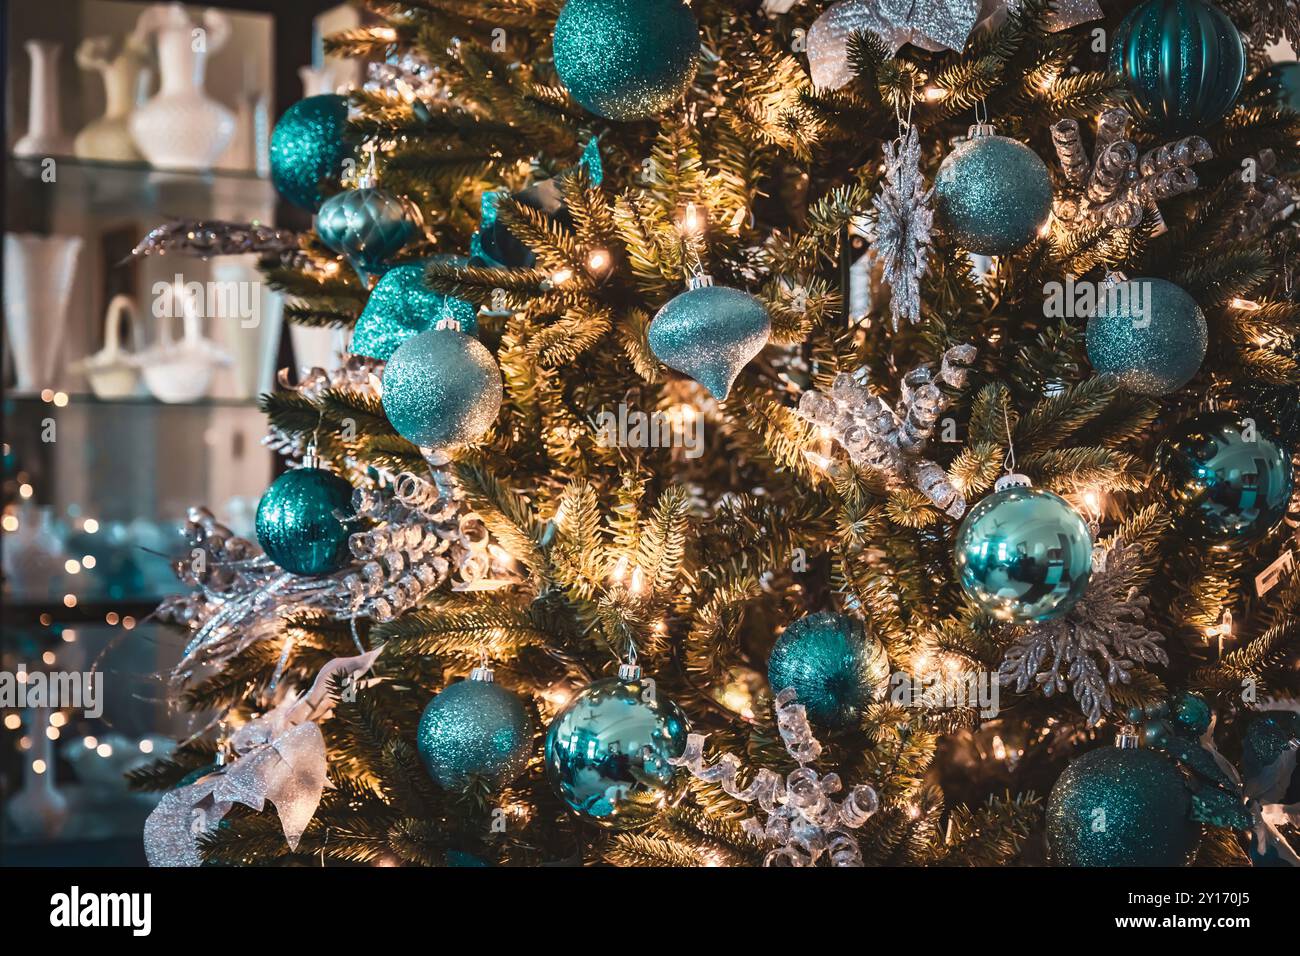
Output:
(1270, 735)
(1190, 714)
(1121, 807)
(368, 225)
(992, 194)
(834, 666)
(626, 59)
(607, 752)
(308, 148)
(298, 523)
(1183, 61)
(1149, 334)
(441, 388)
(1228, 478)
(475, 728)
(1023, 554)
(710, 333)
(402, 305)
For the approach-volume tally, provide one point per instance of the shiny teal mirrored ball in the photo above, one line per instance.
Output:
(475, 728)
(298, 523)
(441, 388)
(308, 148)
(992, 194)
(835, 668)
(1148, 334)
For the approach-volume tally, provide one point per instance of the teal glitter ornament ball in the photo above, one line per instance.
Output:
(992, 194)
(626, 59)
(302, 521)
(1229, 480)
(1184, 62)
(402, 305)
(1149, 334)
(1023, 554)
(1121, 806)
(607, 751)
(475, 728)
(710, 333)
(368, 225)
(1270, 736)
(308, 148)
(441, 388)
(833, 665)
(1190, 714)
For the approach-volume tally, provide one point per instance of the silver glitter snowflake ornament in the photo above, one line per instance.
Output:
(904, 218)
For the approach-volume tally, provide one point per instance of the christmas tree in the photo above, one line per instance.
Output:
(773, 432)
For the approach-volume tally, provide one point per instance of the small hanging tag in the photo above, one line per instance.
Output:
(1268, 579)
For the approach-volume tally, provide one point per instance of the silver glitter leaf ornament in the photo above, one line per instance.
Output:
(710, 333)
(903, 222)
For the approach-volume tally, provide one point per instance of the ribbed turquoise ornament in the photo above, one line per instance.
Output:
(607, 752)
(1183, 61)
(298, 524)
(475, 728)
(368, 225)
(710, 333)
(992, 194)
(402, 305)
(1121, 807)
(835, 668)
(308, 148)
(1149, 334)
(441, 388)
(626, 59)
(1023, 554)
(1228, 478)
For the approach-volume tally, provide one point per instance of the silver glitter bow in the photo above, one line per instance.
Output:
(802, 819)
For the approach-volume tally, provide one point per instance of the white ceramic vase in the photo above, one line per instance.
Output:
(177, 372)
(38, 808)
(182, 127)
(45, 135)
(109, 137)
(38, 276)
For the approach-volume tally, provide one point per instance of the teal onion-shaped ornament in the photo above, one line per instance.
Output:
(607, 751)
(1148, 334)
(710, 333)
(992, 194)
(441, 388)
(475, 729)
(308, 149)
(835, 668)
(1121, 806)
(1184, 62)
(626, 59)
(368, 225)
(401, 306)
(302, 520)
(1228, 478)
(1023, 554)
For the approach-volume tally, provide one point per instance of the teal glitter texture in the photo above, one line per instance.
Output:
(834, 667)
(710, 333)
(475, 728)
(402, 305)
(1149, 334)
(992, 194)
(607, 753)
(1023, 554)
(626, 59)
(368, 225)
(298, 525)
(1121, 807)
(1225, 487)
(308, 148)
(1183, 61)
(441, 388)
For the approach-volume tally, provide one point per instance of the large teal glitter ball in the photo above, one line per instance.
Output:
(308, 148)
(626, 59)
(368, 225)
(442, 388)
(475, 728)
(1149, 334)
(1229, 479)
(402, 305)
(710, 333)
(1023, 554)
(1269, 735)
(1183, 61)
(302, 521)
(992, 194)
(835, 668)
(607, 753)
(1121, 807)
